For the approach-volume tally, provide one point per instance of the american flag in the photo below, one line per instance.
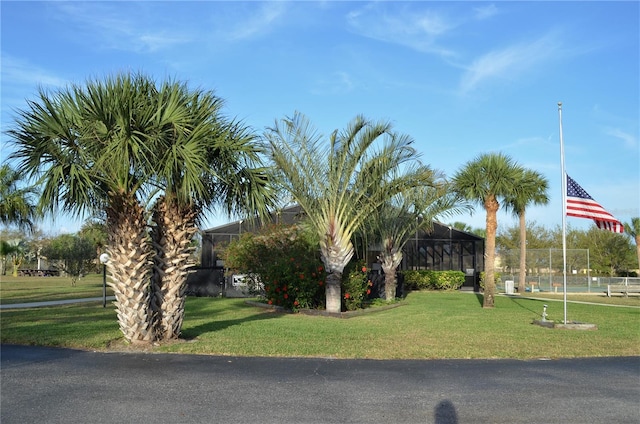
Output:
(581, 205)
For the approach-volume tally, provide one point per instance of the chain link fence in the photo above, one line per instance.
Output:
(545, 272)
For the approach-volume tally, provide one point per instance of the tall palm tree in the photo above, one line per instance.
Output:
(17, 204)
(486, 180)
(206, 161)
(340, 182)
(402, 215)
(530, 188)
(632, 228)
(92, 147)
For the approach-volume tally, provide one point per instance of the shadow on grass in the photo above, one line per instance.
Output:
(480, 298)
(212, 325)
(520, 302)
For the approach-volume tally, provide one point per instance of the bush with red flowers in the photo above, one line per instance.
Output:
(356, 285)
(283, 265)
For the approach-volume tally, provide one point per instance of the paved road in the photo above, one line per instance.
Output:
(47, 385)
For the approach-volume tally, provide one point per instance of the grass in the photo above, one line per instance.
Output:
(37, 289)
(426, 325)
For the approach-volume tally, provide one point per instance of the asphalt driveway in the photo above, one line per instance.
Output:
(48, 385)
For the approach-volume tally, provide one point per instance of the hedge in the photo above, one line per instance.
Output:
(433, 280)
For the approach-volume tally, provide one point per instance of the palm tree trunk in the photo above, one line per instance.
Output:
(638, 248)
(333, 293)
(390, 262)
(336, 252)
(523, 254)
(491, 206)
(130, 269)
(171, 236)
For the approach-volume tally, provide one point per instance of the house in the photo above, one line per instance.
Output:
(442, 248)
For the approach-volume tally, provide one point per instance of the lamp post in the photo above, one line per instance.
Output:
(104, 258)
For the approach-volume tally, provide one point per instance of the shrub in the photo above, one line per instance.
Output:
(433, 280)
(448, 280)
(416, 280)
(282, 264)
(356, 286)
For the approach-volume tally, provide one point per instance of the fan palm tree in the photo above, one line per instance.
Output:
(402, 215)
(17, 206)
(207, 161)
(633, 229)
(530, 188)
(340, 182)
(488, 179)
(92, 147)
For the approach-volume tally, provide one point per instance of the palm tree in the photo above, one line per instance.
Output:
(91, 148)
(340, 182)
(486, 180)
(530, 188)
(633, 229)
(17, 205)
(462, 226)
(402, 215)
(206, 161)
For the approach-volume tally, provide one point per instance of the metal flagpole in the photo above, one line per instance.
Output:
(564, 216)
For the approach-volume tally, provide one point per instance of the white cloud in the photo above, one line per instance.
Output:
(108, 25)
(338, 82)
(16, 71)
(509, 63)
(416, 29)
(257, 22)
(485, 11)
(629, 140)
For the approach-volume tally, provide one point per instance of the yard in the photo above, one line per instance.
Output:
(425, 325)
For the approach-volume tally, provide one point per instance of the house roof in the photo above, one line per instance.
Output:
(293, 213)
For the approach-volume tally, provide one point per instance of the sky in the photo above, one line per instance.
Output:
(461, 78)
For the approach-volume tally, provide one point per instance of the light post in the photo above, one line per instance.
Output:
(104, 258)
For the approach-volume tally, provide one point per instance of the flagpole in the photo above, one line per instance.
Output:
(564, 215)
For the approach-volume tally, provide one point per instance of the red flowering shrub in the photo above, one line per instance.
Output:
(355, 286)
(283, 263)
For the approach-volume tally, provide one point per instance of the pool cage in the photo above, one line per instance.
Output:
(441, 248)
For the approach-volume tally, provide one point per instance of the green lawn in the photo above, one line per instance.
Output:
(426, 325)
(38, 289)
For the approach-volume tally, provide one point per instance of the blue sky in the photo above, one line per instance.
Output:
(461, 78)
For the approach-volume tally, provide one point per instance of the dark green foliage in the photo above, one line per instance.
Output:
(433, 280)
(70, 253)
(282, 264)
(356, 286)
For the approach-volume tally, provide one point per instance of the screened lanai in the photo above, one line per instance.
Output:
(442, 248)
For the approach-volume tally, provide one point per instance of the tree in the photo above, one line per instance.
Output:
(144, 156)
(610, 253)
(340, 182)
(486, 180)
(632, 228)
(17, 205)
(7, 249)
(90, 148)
(96, 232)
(530, 188)
(72, 254)
(401, 216)
(205, 161)
(508, 241)
(462, 226)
